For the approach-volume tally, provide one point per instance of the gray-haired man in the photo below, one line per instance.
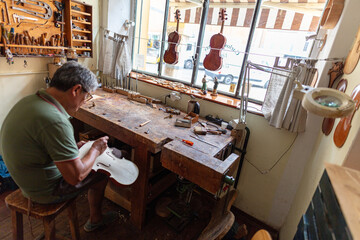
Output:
(38, 146)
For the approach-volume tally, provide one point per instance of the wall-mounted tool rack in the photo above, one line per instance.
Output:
(46, 28)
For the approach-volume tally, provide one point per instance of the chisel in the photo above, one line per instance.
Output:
(3, 14)
(203, 141)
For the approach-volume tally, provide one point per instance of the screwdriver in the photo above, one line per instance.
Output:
(190, 143)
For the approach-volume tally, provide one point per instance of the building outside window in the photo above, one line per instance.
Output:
(265, 32)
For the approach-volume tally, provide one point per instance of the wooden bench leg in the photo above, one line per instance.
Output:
(49, 228)
(73, 221)
(17, 225)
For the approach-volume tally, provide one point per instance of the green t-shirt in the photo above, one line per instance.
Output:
(36, 133)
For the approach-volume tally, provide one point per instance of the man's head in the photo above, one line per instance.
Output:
(72, 84)
(71, 74)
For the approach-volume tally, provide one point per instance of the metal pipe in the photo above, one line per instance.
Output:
(248, 45)
(166, 16)
(200, 41)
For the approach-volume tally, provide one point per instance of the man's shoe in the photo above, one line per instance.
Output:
(108, 218)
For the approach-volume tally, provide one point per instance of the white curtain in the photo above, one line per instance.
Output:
(279, 107)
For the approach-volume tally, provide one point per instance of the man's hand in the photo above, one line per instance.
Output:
(100, 144)
(80, 144)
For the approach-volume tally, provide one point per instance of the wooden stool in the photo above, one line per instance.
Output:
(18, 205)
(220, 223)
(262, 234)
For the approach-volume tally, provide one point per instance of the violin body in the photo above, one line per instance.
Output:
(213, 60)
(121, 171)
(171, 55)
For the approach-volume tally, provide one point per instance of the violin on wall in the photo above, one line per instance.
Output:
(171, 55)
(213, 60)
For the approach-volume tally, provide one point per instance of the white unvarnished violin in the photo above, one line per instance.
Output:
(121, 170)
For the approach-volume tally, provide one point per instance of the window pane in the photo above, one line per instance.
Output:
(188, 29)
(148, 34)
(281, 31)
(236, 31)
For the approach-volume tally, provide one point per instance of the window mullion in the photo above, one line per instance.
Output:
(160, 65)
(200, 41)
(248, 45)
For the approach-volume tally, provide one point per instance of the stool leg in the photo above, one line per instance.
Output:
(49, 228)
(17, 225)
(73, 221)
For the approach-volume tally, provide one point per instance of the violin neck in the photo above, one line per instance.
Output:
(177, 26)
(222, 27)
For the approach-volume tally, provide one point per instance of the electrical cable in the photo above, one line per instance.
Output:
(276, 162)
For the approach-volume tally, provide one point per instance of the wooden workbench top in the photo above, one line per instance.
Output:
(117, 110)
(117, 116)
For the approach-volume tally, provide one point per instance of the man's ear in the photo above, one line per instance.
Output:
(76, 89)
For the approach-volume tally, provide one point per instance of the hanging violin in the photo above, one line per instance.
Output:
(213, 60)
(122, 171)
(171, 55)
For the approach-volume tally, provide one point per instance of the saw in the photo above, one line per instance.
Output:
(40, 4)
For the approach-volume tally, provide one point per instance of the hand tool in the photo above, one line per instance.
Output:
(183, 123)
(46, 15)
(7, 11)
(188, 142)
(197, 138)
(144, 123)
(3, 14)
(18, 18)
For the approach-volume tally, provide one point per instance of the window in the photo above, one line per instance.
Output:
(261, 31)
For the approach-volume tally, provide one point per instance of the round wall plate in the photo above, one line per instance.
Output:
(353, 58)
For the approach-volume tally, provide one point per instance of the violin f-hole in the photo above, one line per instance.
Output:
(100, 163)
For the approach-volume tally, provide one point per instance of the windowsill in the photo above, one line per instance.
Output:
(220, 98)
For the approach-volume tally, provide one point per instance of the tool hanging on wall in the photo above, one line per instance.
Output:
(3, 14)
(40, 4)
(7, 12)
(18, 18)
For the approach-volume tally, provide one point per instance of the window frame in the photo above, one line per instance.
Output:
(203, 21)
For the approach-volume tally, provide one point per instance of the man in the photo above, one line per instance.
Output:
(38, 146)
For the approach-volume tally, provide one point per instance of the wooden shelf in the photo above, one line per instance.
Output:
(79, 40)
(345, 182)
(81, 22)
(81, 31)
(83, 49)
(80, 12)
(31, 46)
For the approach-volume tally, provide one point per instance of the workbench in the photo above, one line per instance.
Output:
(119, 117)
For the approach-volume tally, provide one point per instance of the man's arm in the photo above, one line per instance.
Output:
(77, 170)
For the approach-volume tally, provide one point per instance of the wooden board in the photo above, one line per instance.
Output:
(194, 164)
(345, 182)
(60, 35)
